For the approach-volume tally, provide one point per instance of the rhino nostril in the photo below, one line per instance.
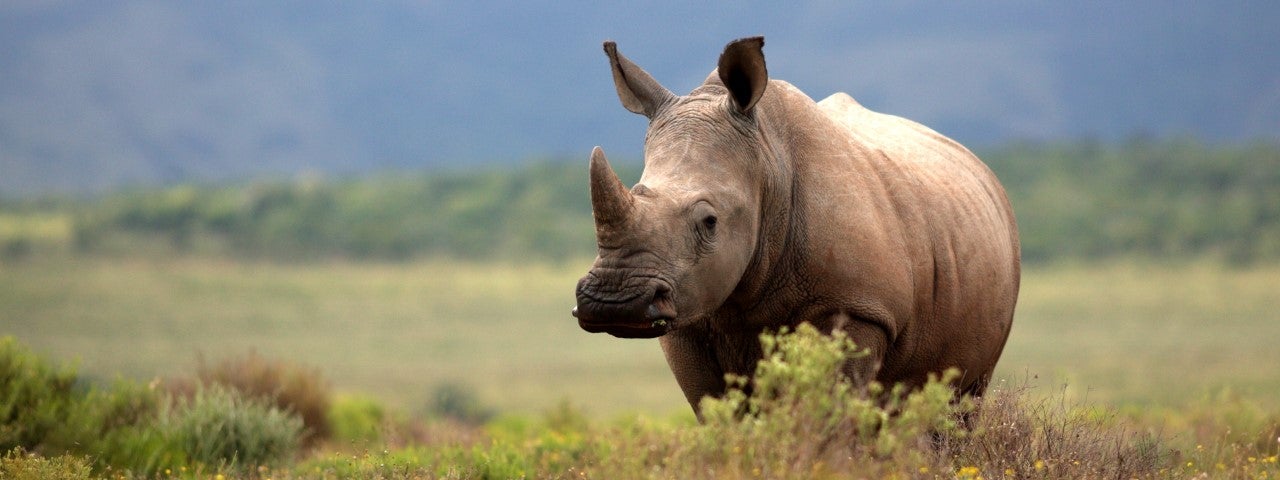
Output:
(653, 313)
(661, 309)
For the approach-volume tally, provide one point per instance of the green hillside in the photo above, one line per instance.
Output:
(1075, 201)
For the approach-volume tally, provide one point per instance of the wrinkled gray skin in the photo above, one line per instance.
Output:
(759, 208)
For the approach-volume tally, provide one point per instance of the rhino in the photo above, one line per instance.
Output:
(759, 208)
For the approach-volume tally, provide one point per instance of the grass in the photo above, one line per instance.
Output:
(396, 331)
(1125, 333)
(802, 421)
(1133, 334)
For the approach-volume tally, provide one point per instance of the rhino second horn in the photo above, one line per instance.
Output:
(610, 199)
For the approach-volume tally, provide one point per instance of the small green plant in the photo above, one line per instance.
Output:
(222, 428)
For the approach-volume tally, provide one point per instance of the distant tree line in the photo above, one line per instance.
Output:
(1152, 198)
(533, 212)
(1160, 199)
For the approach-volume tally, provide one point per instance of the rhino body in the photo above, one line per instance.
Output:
(759, 208)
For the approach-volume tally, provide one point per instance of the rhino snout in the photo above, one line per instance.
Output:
(640, 311)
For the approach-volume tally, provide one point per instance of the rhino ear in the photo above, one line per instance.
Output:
(743, 72)
(639, 92)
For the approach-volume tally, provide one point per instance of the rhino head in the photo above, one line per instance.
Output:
(673, 248)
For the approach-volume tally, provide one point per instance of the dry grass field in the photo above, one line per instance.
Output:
(1126, 333)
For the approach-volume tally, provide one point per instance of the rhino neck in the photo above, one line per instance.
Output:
(769, 288)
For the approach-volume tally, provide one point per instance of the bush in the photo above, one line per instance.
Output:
(292, 387)
(357, 419)
(803, 418)
(45, 412)
(35, 397)
(117, 427)
(458, 402)
(128, 427)
(18, 465)
(220, 427)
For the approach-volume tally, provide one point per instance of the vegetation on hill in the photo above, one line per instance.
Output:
(1161, 199)
(536, 211)
(1084, 200)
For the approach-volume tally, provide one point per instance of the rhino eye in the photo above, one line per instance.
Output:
(704, 221)
(710, 223)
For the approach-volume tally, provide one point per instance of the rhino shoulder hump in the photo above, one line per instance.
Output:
(839, 100)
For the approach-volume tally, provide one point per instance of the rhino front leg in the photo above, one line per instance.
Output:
(693, 361)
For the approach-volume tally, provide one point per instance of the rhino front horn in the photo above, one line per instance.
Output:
(610, 199)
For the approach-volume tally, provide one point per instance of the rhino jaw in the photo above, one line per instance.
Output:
(653, 330)
(629, 318)
(655, 323)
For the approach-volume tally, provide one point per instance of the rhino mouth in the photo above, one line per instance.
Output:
(629, 318)
(622, 330)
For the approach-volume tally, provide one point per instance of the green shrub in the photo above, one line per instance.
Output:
(804, 418)
(458, 402)
(220, 427)
(129, 427)
(118, 428)
(357, 419)
(17, 248)
(35, 397)
(143, 450)
(292, 387)
(43, 411)
(18, 465)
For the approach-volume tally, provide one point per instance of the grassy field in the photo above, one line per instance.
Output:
(1123, 333)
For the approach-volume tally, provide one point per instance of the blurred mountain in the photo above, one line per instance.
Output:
(97, 95)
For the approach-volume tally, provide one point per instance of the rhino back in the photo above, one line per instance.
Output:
(913, 225)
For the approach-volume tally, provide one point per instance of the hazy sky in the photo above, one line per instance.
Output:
(103, 93)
